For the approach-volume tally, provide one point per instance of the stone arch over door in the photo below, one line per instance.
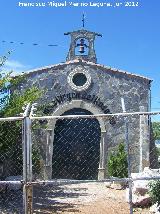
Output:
(51, 127)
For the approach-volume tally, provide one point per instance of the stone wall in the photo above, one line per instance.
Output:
(109, 86)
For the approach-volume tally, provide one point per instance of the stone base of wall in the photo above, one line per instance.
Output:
(101, 172)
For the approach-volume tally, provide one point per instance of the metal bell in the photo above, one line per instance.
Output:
(81, 46)
(81, 49)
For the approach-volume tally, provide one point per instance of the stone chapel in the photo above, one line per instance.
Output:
(79, 148)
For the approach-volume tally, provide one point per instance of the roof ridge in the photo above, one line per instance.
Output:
(87, 63)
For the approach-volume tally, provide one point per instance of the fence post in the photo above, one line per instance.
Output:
(27, 163)
(129, 166)
(128, 157)
(144, 140)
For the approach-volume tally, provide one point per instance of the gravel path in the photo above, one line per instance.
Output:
(86, 192)
(80, 198)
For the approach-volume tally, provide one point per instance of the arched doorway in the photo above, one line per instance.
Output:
(76, 147)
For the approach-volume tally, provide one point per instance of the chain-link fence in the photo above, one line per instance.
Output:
(11, 165)
(78, 163)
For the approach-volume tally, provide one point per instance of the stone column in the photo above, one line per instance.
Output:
(101, 169)
(49, 153)
(144, 141)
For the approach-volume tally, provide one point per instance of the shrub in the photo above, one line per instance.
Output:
(117, 163)
(158, 151)
(154, 191)
(11, 131)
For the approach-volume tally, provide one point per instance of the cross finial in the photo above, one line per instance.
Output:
(83, 19)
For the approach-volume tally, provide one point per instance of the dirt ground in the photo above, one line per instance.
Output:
(83, 198)
(110, 207)
(79, 198)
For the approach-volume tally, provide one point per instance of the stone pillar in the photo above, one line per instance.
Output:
(144, 141)
(101, 169)
(48, 155)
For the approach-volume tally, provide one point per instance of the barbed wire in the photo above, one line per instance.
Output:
(25, 43)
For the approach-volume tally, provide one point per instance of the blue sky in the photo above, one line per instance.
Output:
(131, 35)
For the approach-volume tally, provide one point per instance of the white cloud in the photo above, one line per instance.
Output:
(15, 66)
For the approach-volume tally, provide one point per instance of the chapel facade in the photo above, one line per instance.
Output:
(79, 148)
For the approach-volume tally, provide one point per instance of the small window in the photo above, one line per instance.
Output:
(79, 79)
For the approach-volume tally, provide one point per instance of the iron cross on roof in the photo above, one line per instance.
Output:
(83, 19)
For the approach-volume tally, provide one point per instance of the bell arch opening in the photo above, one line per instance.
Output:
(76, 147)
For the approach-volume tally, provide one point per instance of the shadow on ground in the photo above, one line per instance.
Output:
(55, 199)
(46, 199)
(11, 202)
